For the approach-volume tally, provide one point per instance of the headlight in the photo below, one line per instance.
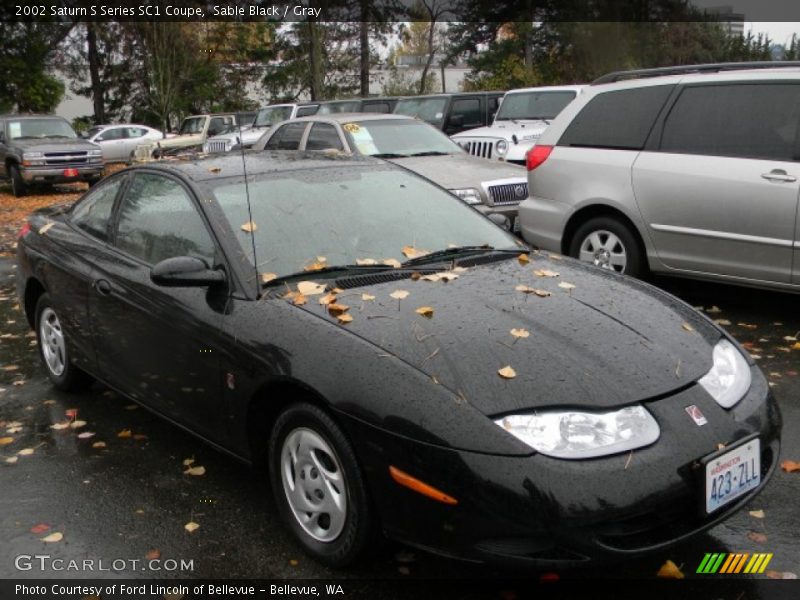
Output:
(468, 195)
(28, 155)
(576, 435)
(97, 152)
(729, 378)
(32, 159)
(502, 147)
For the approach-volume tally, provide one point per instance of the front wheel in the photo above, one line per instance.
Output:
(318, 486)
(53, 349)
(608, 243)
(18, 185)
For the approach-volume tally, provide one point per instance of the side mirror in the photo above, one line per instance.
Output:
(501, 221)
(185, 271)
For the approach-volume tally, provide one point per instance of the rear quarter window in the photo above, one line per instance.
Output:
(619, 120)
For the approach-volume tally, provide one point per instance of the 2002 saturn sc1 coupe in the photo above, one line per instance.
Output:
(399, 362)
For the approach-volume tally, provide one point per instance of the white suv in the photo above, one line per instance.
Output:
(523, 116)
(689, 171)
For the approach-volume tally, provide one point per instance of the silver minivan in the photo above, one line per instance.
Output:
(690, 171)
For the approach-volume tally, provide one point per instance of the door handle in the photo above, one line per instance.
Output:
(102, 286)
(778, 175)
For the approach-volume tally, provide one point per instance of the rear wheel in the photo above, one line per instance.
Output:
(318, 486)
(608, 243)
(54, 351)
(18, 185)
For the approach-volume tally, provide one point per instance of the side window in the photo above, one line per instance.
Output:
(376, 107)
(135, 132)
(304, 111)
(619, 120)
(114, 133)
(322, 137)
(493, 105)
(290, 136)
(216, 126)
(93, 212)
(158, 220)
(744, 120)
(470, 110)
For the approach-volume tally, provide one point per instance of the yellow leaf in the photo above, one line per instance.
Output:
(294, 562)
(315, 266)
(412, 252)
(45, 228)
(367, 297)
(669, 570)
(757, 514)
(520, 333)
(687, 327)
(425, 311)
(214, 169)
(524, 289)
(507, 373)
(337, 309)
(399, 294)
(191, 526)
(267, 277)
(249, 227)
(77, 424)
(310, 288)
(53, 537)
(523, 259)
(545, 273)
(366, 261)
(327, 299)
(345, 318)
(25, 452)
(99, 445)
(125, 433)
(796, 346)
(187, 462)
(299, 300)
(195, 471)
(5, 441)
(790, 466)
(392, 262)
(566, 286)
(11, 460)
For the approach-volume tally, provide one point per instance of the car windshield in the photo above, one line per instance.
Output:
(342, 215)
(270, 115)
(427, 109)
(192, 125)
(398, 138)
(533, 105)
(40, 128)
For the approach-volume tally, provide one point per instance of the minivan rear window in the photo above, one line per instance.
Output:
(619, 120)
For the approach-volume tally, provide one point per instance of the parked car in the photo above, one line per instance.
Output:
(359, 105)
(346, 323)
(266, 118)
(43, 150)
(492, 188)
(119, 142)
(193, 133)
(688, 171)
(452, 113)
(522, 117)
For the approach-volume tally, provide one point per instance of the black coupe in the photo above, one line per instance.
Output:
(399, 362)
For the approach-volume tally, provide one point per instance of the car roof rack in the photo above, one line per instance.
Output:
(686, 69)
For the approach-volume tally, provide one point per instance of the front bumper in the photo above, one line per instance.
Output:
(50, 174)
(545, 512)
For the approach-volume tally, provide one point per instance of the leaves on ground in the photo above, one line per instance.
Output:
(249, 227)
(77, 424)
(26, 452)
(62, 425)
(669, 570)
(790, 466)
(86, 435)
(507, 372)
(757, 514)
(125, 433)
(195, 471)
(99, 445)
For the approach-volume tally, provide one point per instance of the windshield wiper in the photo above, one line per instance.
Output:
(431, 153)
(454, 252)
(326, 271)
(389, 155)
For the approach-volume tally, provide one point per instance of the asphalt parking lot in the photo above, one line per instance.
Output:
(112, 482)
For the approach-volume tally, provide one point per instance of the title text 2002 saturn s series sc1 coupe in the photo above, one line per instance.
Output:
(402, 364)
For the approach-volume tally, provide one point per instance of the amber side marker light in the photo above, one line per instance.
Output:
(420, 487)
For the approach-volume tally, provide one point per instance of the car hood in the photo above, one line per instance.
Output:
(56, 144)
(607, 342)
(505, 130)
(455, 171)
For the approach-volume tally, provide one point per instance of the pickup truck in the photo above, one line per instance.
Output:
(452, 113)
(43, 150)
(192, 134)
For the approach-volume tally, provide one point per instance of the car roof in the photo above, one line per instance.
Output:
(548, 88)
(776, 73)
(208, 167)
(350, 117)
(454, 95)
(31, 116)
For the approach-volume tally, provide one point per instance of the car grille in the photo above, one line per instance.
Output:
(478, 148)
(218, 146)
(64, 159)
(508, 193)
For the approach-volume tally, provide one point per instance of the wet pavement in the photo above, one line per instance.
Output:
(121, 493)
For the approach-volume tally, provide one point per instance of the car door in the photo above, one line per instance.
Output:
(719, 190)
(112, 141)
(159, 344)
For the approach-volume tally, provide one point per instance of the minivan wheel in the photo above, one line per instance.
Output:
(18, 186)
(609, 244)
(318, 486)
(53, 349)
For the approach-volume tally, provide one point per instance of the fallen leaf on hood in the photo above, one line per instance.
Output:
(249, 227)
(545, 273)
(790, 466)
(214, 169)
(294, 562)
(10, 368)
(714, 310)
(669, 570)
(154, 554)
(53, 537)
(40, 528)
(310, 288)
(77, 424)
(18, 382)
(780, 575)
(425, 311)
(507, 373)
(529, 290)
(26, 452)
(566, 286)
(195, 471)
(749, 326)
(520, 333)
(58, 426)
(345, 318)
(796, 346)
(267, 277)
(412, 252)
(555, 256)
(392, 262)
(86, 435)
(125, 433)
(191, 526)
(524, 259)
(327, 299)
(723, 322)
(139, 436)
(363, 262)
(99, 445)
(758, 538)
(187, 462)
(5, 441)
(337, 309)
(789, 338)
(11, 460)
(45, 228)
(757, 514)
(687, 327)
(399, 294)
(315, 266)
(367, 297)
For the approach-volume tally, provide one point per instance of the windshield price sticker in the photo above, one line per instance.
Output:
(732, 474)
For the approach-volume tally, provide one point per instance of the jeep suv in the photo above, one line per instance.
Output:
(43, 150)
(689, 171)
(452, 113)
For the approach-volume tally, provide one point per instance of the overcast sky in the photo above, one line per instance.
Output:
(779, 33)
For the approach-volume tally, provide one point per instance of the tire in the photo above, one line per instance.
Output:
(610, 244)
(53, 349)
(18, 186)
(309, 453)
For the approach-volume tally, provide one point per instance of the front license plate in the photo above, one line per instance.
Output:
(732, 474)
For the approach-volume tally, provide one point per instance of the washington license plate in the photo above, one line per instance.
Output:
(732, 474)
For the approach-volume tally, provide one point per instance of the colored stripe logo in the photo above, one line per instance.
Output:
(733, 563)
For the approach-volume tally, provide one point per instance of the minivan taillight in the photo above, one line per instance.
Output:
(536, 156)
